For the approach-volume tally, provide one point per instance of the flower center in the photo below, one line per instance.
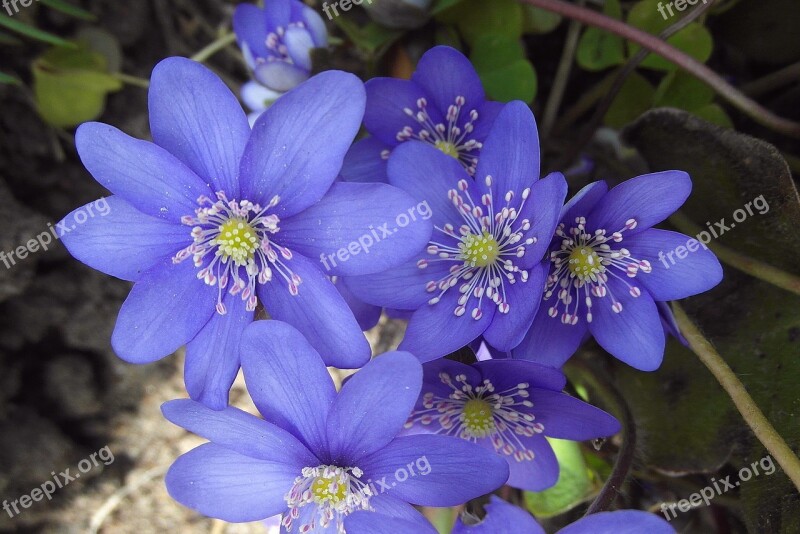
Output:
(233, 250)
(482, 251)
(322, 496)
(237, 241)
(478, 412)
(582, 267)
(478, 418)
(448, 148)
(449, 137)
(584, 263)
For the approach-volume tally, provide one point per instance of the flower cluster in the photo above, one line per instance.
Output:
(219, 226)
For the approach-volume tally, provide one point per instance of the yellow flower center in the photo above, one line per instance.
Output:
(584, 262)
(448, 148)
(480, 250)
(237, 241)
(329, 490)
(478, 418)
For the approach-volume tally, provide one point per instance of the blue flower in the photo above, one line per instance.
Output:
(483, 266)
(277, 41)
(607, 274)
(213, 219)
(318, 456)
(443, 104)
(504, 518)
(509, 407)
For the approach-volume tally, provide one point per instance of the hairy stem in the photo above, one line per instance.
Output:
(751, 413)
(214, 47)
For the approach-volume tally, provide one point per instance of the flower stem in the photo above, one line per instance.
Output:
(750, 411)
(214, 47)
(132, 80)
(737, 260)
(735, 97)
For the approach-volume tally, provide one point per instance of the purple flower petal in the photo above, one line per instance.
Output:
(212, 357)
(649, 199)
(367, 315)
(251, 29)
(445, 73)
(537, 474)
(673, 277)
(319, 312)
(240, 432)
(221, 483)
(372, 523)
(619, 522)
(427, 174)
(195, 117)
(298, 144)
(634, 335)
(124, 242)
(510, 154)
(447, 471)
(280, 76)
(549, 341)
(288, 381)
(506, 374)
(165, 309)
(364, 162)
(501, 518)
(542, 210)
(299, 44)
(359, 229)
(508, 329)
(387, 100)
(141, 173)
(257, 97)
(278, 13)
(487, 114)
(583, 202)
(355, 428)
(566, 417)
(424, 337)
(315, 25)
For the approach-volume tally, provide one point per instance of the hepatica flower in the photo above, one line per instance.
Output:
(318, 456)
(213, 219)
(509, 407)
(504, 518)
(483, 266)
(443, 105)
(277, 41)
(606, 277)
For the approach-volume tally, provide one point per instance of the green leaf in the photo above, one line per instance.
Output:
(8, 39)
(686, 422)
(714, 113)
(442, 5)
(70, 85)
(31, 32)
(536, 20)
(9, 79)
(694, 40)
(69, 9)
(501, 64)
(370, 37)
(574, 484)
(679, 89)
(635, 97)
(104, 43)
(598, 49)
(478, 17)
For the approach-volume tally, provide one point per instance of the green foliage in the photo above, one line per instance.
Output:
(9, 80)
(681, 90)
(598, 49)
(535, 20)
(694, 40)
(688, 425)
(31, 32)
(372, 38)
(575, 485)
(70, 85)
(505, 72)
(69, 9)
(475, 18)
(635, 97)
